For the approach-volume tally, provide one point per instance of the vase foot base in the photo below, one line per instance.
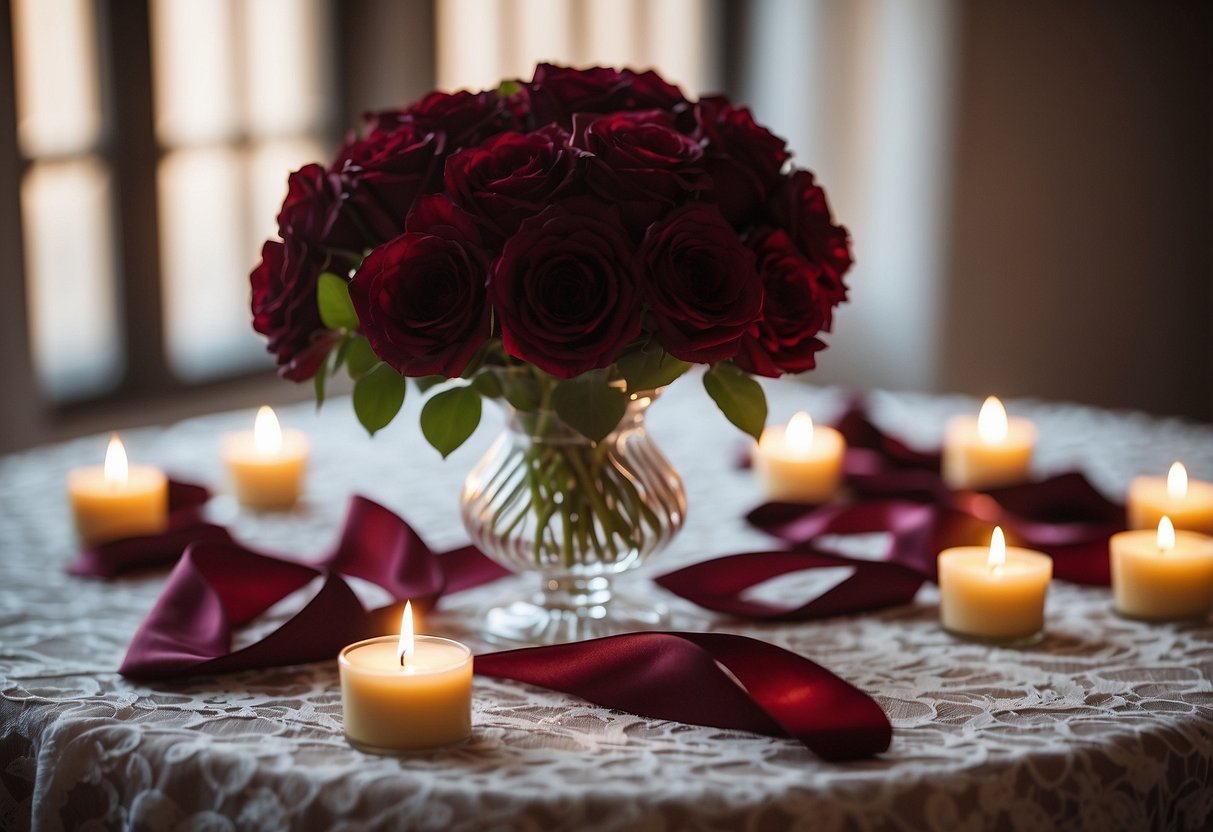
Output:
(528, 621)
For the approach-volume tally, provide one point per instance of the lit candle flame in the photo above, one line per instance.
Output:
(998, 550)
(267, 435)
(1166, 534)
(116, 469)
(992, 422)
(799, 435)
(407, 645)
(1177, 481)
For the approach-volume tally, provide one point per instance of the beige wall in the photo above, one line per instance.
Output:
(1078, 254)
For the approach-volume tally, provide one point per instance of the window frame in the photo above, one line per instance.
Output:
(148, 390)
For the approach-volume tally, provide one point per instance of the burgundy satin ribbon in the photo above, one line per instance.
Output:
(720, 585)
(862, 434)
(217, 587)
(899, 491)
(1063, 516)
(186, 525)
(678, 676)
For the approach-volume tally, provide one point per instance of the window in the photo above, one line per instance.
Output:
(241, 95)
(156, 138)
(66, 198)
(482, 41)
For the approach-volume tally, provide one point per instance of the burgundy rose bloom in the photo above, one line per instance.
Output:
(700, 284)
(312, 211)
(564, 290)
(383, 174)
(285, 309)
(557, 93)
(649, 91)
(794, 309)
(743, 157)
(465, 118)
(800, 207)
(435, 214)
(640, 163)
(420, 300)
(510, 177)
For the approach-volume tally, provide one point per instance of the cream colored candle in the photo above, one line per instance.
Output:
(406, 693)
(117, 500)
(1162, 574)
(995, 593)
(1189, 503)
(989, 451)
(801, 463)
(266, 466)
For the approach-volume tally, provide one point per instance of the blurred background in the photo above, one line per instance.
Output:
(1027, 182)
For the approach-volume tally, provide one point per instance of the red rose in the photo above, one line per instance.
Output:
(383, 174)
(649, 91)
(743, 157)
(640, 163)
(435, 214)
(700, 284)
(564, 290)
(463, 117)
(420, 300)
(557, 93)
(800, 207)
(794, 309)
(285, 308)
(510, 177)
(311, 212)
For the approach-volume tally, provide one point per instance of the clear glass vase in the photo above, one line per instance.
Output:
(545, 500)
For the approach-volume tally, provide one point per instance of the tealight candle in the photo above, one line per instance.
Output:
(989, 451)
(266, 466)
(1189, 503)
(117, 500)
(801, 463)
(1162, 575)
(411, 692)
(995, 593)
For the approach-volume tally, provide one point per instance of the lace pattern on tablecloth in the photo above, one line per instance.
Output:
(1106, 724)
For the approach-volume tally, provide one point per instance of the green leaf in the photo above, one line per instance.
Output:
(450, 417)
(521, 390)
(336, 308)
(508, 88)
(426, 382)
(378, 396)
(318, 381)
(338, 356)
(738, 396)
(650, 367)
(488, 385)
(589, 405)
(359, 357)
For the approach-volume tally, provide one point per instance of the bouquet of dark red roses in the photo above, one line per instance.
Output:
(561, 243)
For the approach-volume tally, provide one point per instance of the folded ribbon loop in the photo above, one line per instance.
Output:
(720, 584)
(679, 676)
(217, 587)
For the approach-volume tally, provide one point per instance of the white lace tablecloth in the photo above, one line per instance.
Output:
(1106, 724)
